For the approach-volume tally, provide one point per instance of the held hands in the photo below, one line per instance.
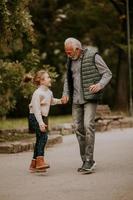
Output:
(64, 99)
(95, 88)
(43, 127)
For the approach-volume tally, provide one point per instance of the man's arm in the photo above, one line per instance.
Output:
(105, 73)
(103, 70)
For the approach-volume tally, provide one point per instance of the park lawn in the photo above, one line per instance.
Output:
(23, 122)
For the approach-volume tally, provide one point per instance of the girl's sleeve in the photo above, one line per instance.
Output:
(55, 101)
(37, 108)
(65, 87)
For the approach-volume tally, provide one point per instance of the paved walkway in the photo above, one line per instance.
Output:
(113, 179)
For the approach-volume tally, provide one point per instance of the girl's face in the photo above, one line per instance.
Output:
(45, 80)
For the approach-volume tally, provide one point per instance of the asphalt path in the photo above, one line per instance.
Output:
(113, 179)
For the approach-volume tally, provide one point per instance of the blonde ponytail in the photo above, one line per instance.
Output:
(27, 78)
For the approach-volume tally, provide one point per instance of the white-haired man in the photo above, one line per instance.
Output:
(87, 75)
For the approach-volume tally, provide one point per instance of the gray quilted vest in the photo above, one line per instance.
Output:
(89, 74)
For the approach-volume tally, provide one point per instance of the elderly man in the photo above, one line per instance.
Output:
(87, 75)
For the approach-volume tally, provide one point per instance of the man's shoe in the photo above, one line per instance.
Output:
(80, 169)
(89, 166)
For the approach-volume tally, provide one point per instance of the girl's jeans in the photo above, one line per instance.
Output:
(41, 137)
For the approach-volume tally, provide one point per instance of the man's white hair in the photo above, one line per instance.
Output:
(73, 42)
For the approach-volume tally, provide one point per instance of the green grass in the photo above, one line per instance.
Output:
(23, 123)
(13, 123)
(55, 120)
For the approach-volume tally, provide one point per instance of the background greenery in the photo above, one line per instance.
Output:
(32, 35)
(23, 123)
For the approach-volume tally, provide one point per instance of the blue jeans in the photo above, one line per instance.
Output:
(41, 137)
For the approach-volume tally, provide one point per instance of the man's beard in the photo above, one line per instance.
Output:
(75, 57)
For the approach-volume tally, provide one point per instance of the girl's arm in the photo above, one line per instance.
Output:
(37, 111)
(55, 101)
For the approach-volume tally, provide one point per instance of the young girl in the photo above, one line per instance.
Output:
(39, 107)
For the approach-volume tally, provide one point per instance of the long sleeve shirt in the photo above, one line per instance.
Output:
(103, 69)
(40, 103)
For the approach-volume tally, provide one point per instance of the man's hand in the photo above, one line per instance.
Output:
(43, 127)
(64, 99)
(95, 88)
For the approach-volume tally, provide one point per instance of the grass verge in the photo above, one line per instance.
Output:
(23, 122)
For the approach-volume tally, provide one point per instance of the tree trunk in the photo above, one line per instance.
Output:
(122, 85)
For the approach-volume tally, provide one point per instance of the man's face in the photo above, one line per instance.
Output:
(72, 53)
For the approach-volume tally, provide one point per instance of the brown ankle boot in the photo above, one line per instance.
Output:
(40, 163)
(46, 165)
(33, 165)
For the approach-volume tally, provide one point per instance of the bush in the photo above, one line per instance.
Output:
(11, 74)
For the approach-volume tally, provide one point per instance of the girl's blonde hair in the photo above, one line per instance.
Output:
(36, 78)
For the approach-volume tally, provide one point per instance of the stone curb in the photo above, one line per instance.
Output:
(27, 145)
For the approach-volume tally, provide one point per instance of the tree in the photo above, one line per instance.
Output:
(122, 85)
(10, 80)
(16, 41)
(18, 55)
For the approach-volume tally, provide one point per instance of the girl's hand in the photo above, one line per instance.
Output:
(43, 127)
